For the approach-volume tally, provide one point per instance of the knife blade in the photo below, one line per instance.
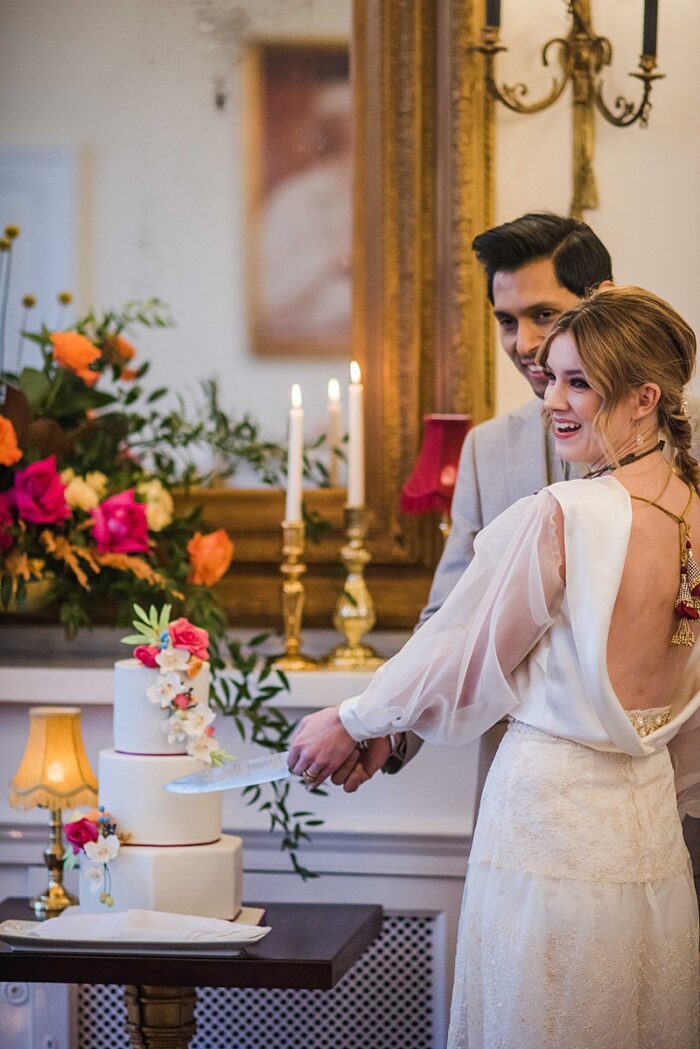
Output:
(248, 773)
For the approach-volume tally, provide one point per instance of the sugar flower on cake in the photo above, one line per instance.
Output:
(94, 834)
(177, 650)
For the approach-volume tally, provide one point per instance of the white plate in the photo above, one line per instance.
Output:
(16, 933)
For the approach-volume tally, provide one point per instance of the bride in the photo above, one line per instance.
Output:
(577, 621)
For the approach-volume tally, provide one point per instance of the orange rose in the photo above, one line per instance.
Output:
(128, 374)
(125, 349)
(75, 352)
(210, 556)
(10, 452)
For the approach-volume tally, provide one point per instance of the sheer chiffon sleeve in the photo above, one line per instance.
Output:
(452, 679)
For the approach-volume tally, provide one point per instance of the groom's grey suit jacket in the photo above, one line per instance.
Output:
(501, 461)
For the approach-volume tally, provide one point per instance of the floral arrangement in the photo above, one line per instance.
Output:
(95, 835)
(88, 464)
(178, 650)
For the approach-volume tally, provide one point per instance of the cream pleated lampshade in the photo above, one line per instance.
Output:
(54, 771)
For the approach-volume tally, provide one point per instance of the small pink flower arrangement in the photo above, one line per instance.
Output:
(177, 650)
(94, 835)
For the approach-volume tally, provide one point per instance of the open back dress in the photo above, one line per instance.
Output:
(579, 926)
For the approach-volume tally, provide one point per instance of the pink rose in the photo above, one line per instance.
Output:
(38, 493)
(120, 525)
(182, 701)
(6, 522)
(79, 832)
(193, 638)
(147, 655)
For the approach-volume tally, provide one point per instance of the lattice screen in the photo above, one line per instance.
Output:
(384, 1002)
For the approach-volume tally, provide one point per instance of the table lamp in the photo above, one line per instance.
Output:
(432, 482)
(55, 774)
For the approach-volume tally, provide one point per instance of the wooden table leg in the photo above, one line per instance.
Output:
(159, 1017)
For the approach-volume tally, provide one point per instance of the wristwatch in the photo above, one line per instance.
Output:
(394, 763)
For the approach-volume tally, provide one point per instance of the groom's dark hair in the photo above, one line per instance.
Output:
(580, 259)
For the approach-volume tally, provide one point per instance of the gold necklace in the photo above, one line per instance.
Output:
(687, 605)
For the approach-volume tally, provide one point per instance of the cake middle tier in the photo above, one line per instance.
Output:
(131, 789)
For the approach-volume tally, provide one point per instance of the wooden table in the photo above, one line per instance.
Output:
(311, 945)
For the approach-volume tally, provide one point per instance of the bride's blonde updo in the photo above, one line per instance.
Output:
(625, 337)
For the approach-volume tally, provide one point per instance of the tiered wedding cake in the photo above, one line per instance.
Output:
(146, 847)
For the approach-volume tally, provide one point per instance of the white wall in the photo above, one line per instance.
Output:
(129, 86)
(649, 215)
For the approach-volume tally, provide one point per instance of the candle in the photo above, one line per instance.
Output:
(295, 457)
(493, 13)
(356, 438)
(651, 11)
(334, 435)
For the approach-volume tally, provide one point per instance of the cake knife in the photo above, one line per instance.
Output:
(248, 773)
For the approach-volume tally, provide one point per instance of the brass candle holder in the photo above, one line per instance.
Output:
(354, 611)
(293, 598)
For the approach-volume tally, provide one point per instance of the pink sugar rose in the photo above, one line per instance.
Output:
(184, 635)
(146, 654)
(38, 493)
(6, 522)
(182, 702)
(120, 525)
(79, 832)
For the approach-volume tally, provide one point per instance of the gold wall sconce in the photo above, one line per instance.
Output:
(582, 55)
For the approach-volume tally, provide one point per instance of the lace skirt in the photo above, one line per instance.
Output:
(579, 926)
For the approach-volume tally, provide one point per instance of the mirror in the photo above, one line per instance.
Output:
(145, 106)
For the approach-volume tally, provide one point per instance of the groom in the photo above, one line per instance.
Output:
(536, 268)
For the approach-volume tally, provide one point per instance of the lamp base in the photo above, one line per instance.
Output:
(294, 661)
(52, 902)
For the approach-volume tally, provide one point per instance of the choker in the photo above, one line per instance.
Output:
(631, 458)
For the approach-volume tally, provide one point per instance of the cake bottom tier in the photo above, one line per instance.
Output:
(186, 879)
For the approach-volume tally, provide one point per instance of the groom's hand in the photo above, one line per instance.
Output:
(361, 765)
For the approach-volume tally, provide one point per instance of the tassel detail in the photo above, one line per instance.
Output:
(692, 572)
(684, 635)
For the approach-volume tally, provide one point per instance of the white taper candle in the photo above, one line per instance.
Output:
(356, 438)
(295, 457)
(334, 435)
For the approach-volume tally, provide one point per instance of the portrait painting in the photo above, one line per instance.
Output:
(300, 198)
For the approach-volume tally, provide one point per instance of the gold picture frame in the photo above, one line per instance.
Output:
(422, 328)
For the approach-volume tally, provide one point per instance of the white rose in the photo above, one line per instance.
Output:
(79, 495)
(159, 504)
(175, 729)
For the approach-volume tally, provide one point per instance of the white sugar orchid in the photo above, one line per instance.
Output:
(95, 875)
(197, 719)
(202, 748)
(174, 728)
(173, 659)
(165, 689)
(103, 850)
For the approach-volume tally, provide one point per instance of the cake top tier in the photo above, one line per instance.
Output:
(161, 698)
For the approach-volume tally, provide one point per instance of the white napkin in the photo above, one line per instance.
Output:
(147, 927)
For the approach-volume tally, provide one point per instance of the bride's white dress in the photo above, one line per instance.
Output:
(579, 927)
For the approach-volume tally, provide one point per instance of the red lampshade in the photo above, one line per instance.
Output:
(432, 483)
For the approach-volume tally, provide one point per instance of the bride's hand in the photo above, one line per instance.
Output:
(319, 746)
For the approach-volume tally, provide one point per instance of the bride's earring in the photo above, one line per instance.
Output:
(639, 440)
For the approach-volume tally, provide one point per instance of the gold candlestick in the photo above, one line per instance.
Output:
(293, 597)
(354, 611)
